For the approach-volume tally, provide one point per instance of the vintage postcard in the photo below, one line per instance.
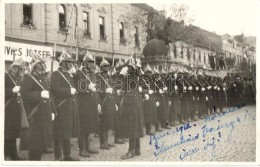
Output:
(129, 83)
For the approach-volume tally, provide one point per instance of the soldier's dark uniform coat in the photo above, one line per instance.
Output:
(175, 100)
(108, 103)
(66, 123)
(163, 109)
(40, 123)
(88, 103)
(132, 120)
(12, 108)
(149, 106)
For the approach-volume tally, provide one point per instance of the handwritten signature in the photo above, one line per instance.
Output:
(206, 129)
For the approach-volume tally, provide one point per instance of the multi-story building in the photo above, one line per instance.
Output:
(198, 48)
(49, 29)
(238, 50)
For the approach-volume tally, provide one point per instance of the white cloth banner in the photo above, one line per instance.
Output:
(15, 49)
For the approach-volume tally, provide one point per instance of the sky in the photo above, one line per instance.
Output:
(221, 16)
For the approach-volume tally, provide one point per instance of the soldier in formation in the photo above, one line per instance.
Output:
(84, 100)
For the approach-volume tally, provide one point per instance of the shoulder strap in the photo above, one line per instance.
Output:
(11, 79)
(65, 79)
(86, 76)
(36, 82)
(105, 81)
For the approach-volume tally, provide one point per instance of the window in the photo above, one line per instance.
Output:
(204, 57)
(27, 14)
(136, 37)
(86, 24)
(102, 28)
(194, 54)
(122, 33)
(182, 52)
(62, 18)
(188, 54)
(175, 51)
(199, 56)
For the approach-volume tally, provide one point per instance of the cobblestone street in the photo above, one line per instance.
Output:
(232, 139)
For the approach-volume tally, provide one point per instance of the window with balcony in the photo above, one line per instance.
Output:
(86, 24)
(62, 18)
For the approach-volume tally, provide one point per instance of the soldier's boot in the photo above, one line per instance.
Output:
(84, 153)
(91, 151)
(167, 125)
(82, 150)
(118, 140)
(128, 155)
(106, 140)
(148, 127)
(157, 127)
(180, 119)
(193, 116)
(67, 151)
(137, 147)
(102, 140)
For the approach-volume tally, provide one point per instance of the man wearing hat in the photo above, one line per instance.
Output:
(149, 103)
(202, 97)
(89, 104)
(12, 109)
(193, 95)
(118, 80)
(132, 117)
(39, 108)
(174, 96)
(66, 124)
(109, 118)
(162, 90)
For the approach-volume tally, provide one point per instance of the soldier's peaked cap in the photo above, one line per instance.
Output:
(19, 62)
(104, 63)
(88, 57)
(35, 60)
(155, 70)
(148, 68)
(163, 71)
(65, 57)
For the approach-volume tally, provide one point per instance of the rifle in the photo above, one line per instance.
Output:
(24, 120)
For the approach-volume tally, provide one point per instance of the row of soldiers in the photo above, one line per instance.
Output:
(76, 102)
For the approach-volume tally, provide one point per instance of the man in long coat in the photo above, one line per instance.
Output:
(66, 123)
(149, 103)
(12, 109)
(132, 119)
(38, 106)
(109, 118)
(89, 105)
(163, 109)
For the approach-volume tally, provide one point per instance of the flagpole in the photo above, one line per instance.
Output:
(53, 57)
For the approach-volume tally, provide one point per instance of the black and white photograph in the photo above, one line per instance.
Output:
(149, 81)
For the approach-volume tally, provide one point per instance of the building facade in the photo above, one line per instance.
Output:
(98, 28)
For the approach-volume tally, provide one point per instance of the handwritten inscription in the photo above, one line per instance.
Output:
(210, 133)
